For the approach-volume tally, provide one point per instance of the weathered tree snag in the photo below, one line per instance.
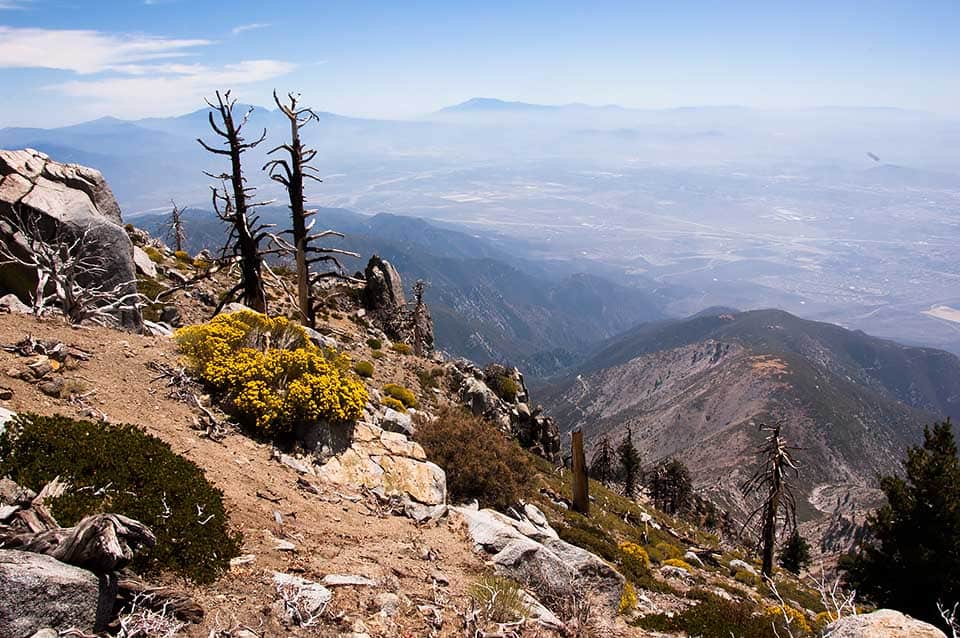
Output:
(292, 173)
(100, 543)
(581, 497)
(131, 586)
(770, 482)
(233, 206)
(175, 231)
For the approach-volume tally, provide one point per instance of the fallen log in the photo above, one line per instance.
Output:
(101, 543)
(131, 588)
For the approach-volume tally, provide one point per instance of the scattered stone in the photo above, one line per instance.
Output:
(883, 623)
(737, 565)
(347, 580)
(143, 263)
(7, 511)
(179, 278)
(5, 393)
(692, 558)
(158, 329)
(421, 513)
(389, 604)
(394, 421)
(242, 560)
(540, 614)
(38, 592)
(440, 578)
(11, 303)
(10, 492)
(46, 632)
(51, 387)
(672, 571)
(294, 463)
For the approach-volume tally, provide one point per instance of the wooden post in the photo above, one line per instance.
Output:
(581, 498)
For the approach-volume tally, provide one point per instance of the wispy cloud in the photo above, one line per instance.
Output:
(85, 51)
(14, 4)
(249, 27)
(129, 75)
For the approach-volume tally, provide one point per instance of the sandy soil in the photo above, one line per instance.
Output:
(333, 534)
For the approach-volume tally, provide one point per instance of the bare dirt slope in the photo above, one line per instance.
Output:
(334, 533)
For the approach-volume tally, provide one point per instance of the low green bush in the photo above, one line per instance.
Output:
(401, 394)
(714, 617)
(374, 344)
(120, 469)
(662, 552)
(480, 462)
(363, 369)
(402, 348)
(390, 402)
(498, 598)
(377, 354)
(507, 389)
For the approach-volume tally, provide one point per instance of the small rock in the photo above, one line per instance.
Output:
(5, 393)
(737, 565)
(439, 578)
(693, 559)
(312, 597)
(242, 560)
(883, 623)
(671, 571)
(179, 278)
(51, 387)
(46, 633)
(41, 366)
(389, 604)
(394, 421)
(6, 511)
(143, 263)
(347, 580)
(12, 303)
(296, 464)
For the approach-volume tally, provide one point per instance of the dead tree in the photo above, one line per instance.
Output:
(770, 483)
(232, 204)
(421, 321)
(175, 232)
(292, 172)
(60, 261)
(581, 497)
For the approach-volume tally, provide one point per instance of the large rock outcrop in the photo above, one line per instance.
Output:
(498, 393)
(386, 306)
(72, 200)
(37, 591)
(883, 623)
(528, 550)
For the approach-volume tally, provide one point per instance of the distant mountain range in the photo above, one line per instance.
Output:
(698, 388)
(488, 305)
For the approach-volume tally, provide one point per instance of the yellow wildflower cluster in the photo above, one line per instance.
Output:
(788, 615)
(823, 619)
(628, 599)
(268, 373)
(636, 552)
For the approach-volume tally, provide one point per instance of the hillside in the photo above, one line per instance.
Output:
(697, 388)
(487, 305)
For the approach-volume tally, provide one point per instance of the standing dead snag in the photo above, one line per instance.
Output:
(173, 228)
(292, 172)
(770, 483)
(581, 497)
(232, 205)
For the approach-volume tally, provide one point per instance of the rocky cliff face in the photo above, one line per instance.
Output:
(70, 201)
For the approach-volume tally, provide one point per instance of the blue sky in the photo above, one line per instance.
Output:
(64, 61)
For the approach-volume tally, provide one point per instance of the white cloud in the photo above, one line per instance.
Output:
(142, 92)
(250, 27)
(13, 4)
(85, 51)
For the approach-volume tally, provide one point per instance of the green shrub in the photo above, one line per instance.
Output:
(747, 578)
(374, 344)
(268, 374)
(155, 255)
(507, 389)
(662, 552)
(390, 402)
(591, 538)
(377, 354)
(428, 379)
(402, 348)
(480, 462)
(363, 369)
(401, 394)
(713, 618)
(182, 256)
(133, 474)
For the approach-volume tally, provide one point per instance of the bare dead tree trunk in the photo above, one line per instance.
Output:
(419, 319)
(246, 232)
(581, 497)
(292, 172)
(174, 226)
(770, 481)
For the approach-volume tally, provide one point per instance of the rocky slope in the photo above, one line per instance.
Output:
(698, 388)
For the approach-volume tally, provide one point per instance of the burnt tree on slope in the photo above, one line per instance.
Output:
(770, 482)
(292, 172)
(173, 227)
(232, 204)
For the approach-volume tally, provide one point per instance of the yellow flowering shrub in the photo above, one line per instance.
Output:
(635, 551)
(823, 619)
(790, 616)
(390, 402)
(401, 394)
(268, 374)
(628, 599)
